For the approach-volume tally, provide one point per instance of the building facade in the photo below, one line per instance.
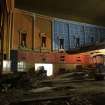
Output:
(31, 39)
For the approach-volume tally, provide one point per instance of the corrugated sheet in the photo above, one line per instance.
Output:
(61, 31)
(76, 35)
(102, 34)
(90, 35)
(76, 32)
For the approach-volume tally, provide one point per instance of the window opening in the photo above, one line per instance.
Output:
(23, 39)
(77, 42)
(61, 43)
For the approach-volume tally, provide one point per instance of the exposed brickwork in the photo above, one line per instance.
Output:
(53, 58)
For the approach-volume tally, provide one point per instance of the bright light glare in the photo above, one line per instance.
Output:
(102, 51)
(6, 66)
(47, 67)
(97, 52)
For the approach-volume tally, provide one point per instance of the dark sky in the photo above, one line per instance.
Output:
(90, 11)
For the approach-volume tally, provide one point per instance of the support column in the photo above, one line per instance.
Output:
(33, 33)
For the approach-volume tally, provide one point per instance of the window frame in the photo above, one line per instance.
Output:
(23, 33)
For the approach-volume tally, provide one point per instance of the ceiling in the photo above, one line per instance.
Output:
(90, 11)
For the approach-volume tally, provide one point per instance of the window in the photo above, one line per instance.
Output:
(5, 56)
(77, 42)
(23, 36)
(92, 39)
(21, 66)
(43, 40)
(47, 67)
(6, 66)
(61, 42)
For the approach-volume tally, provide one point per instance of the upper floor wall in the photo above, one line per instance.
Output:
(31, 31)
(22, 30)
(71, 35)
(43, 33)
(40, 33)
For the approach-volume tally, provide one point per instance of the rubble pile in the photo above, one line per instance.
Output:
(36, 89)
